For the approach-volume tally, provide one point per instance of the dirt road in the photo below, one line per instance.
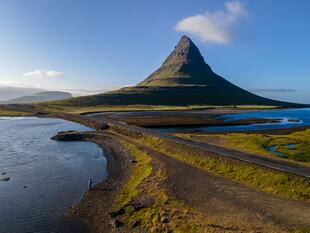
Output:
(243, 156)
(231, 205)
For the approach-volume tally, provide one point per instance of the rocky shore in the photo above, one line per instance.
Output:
(97, 205)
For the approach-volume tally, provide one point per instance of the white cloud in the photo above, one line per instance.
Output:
(44, 74)
(214, 27)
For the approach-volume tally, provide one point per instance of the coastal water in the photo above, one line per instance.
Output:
(289, 118)
(44, 177)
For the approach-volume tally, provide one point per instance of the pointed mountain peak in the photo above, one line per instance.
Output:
(184, 66)
(185, 52)
(184, 42)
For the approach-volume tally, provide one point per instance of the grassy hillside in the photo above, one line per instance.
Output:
(172, 96)
(183, 79)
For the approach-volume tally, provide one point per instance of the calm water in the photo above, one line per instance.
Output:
(273, 150)
(46, 176)
(300, 115)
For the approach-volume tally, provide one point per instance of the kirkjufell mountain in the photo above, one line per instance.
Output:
(183, 79)
(185, 67)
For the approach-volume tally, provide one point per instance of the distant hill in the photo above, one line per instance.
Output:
(39, 97)
(183, 79)
(12, 92)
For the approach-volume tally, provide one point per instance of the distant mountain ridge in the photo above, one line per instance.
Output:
(183, 79)
(39, 97)
(13, 92)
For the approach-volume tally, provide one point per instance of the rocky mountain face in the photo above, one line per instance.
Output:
(183, 67)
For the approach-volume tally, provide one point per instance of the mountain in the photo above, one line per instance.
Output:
(39, 97)
(183, 79)
(184, 67)
(10, 92)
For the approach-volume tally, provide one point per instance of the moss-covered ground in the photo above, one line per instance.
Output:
(163, 213)
(296, 146)
(9, 113)
(278, 183)
(62, 106)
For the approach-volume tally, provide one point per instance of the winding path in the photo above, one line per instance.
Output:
(271, 163)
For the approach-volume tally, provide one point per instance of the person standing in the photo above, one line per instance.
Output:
(90, 182)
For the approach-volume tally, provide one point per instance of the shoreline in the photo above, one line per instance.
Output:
(97, 204)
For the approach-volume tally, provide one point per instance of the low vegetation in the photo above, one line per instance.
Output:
(296, 145)
(303, 230)
(9, 113)
(142, 169)
(163, 213)
(268, 180)
(63, 106)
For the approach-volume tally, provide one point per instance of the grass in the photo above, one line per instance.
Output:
(60, 106)
(260, 143)
(268, 180)
(303, 230)
(141, 170)
(9, 113)
(166, 214)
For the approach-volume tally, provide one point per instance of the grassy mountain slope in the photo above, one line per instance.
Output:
(183, 79)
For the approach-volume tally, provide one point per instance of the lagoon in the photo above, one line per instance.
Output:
(289, 118)
(46, 177)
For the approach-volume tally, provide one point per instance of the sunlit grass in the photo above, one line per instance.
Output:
(9, 113)
(260, 143)
(166, 214)
(141, 170)
(278, 183)
(62, 107)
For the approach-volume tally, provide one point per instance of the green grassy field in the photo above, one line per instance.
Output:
(9, 113)
(62, 107)
(141, 171)
(259, 143)
(278, 183)
(166, 214)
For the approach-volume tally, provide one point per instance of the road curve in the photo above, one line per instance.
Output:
(271, 163)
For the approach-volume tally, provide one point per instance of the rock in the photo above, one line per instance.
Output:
(3, 173)
(117, 213)
(4, 178)
(293, 120)
(117, 223)
(135, 224)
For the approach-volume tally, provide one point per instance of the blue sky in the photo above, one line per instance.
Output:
(60, 44)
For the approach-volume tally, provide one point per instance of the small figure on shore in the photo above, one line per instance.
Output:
(90, 182)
